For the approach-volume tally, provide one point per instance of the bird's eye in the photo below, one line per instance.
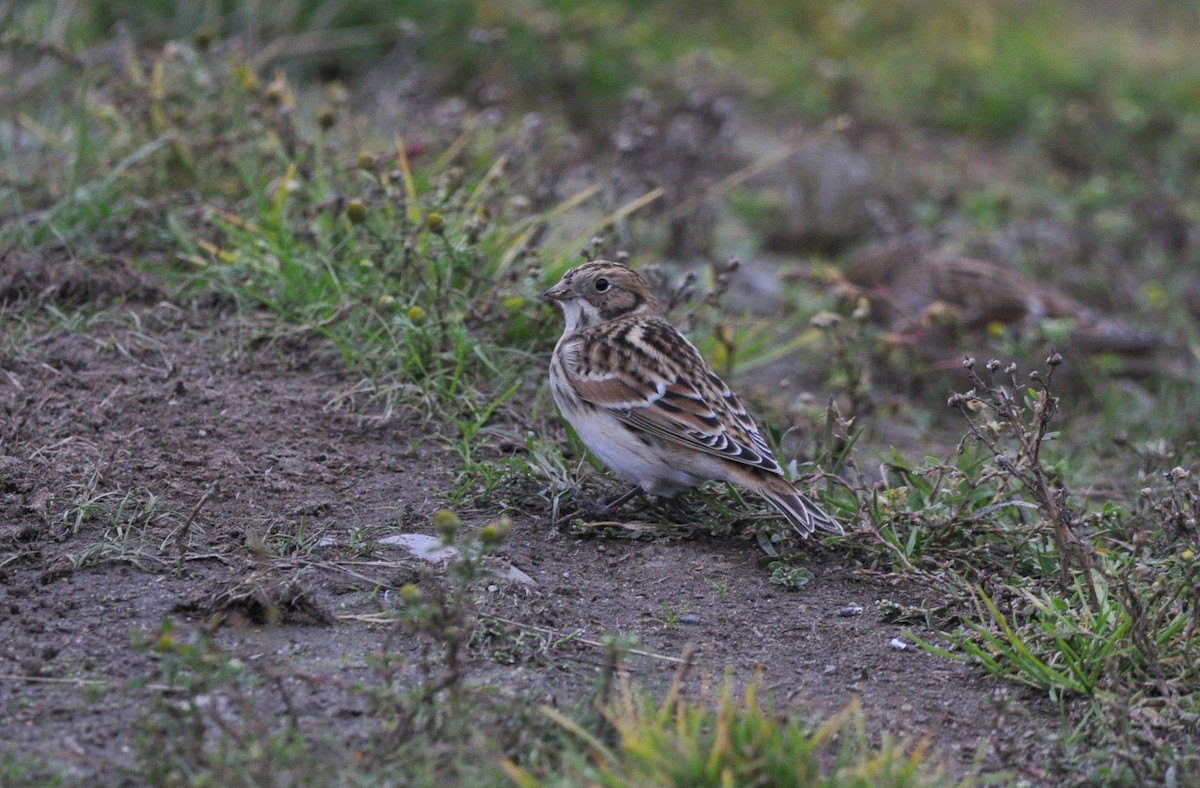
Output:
(601, 285)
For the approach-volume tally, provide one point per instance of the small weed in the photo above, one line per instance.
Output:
(1026, 413)
(86, 505)
(788, 576)
(672, 615)
(719, 585)
(217, 717)
(129, 522)
(291, 538)
(363, 540)
(17, 769)
(241, 740)
(850, 367)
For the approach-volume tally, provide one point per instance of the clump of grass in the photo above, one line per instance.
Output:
(729, 739)
(133, 527)
(17, 769)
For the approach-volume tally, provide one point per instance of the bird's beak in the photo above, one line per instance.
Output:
(557, 293)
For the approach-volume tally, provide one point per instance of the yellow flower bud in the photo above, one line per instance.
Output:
(447, 523)
(495, 531)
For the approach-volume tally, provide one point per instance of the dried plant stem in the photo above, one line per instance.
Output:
(1002, 399)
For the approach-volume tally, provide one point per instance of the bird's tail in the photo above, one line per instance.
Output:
(804, 515)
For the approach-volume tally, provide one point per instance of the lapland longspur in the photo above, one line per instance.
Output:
(642, 398)
(909, 283)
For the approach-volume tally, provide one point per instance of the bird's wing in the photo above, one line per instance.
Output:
(649, 376)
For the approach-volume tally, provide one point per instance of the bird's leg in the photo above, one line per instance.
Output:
(596, 508)
(620, 500)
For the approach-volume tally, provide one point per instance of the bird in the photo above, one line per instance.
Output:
(643, 400)
(907, 283)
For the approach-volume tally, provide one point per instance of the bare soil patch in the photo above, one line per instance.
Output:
(155, 466)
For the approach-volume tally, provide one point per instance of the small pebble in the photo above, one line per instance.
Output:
(898, 644)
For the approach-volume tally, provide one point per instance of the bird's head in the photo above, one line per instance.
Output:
(600, 291)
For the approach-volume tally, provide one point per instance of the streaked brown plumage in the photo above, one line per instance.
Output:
(643, 400)
(907, 282)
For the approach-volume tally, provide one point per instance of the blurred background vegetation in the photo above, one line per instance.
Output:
(979, 66)
(1102, 99)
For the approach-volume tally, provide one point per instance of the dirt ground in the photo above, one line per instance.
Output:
(227, 444)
